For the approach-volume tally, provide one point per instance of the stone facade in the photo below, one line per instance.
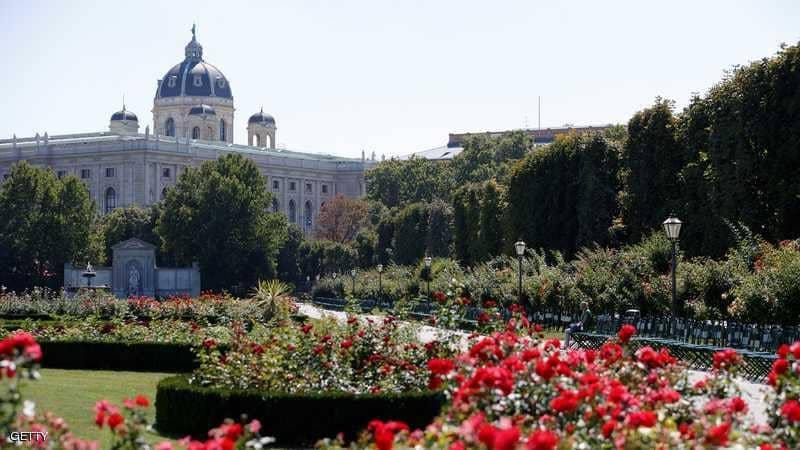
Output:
(193, 115)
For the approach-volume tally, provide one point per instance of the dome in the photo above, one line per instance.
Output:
(262, 118)
(124, 115)
(194, 77)
(202, 110)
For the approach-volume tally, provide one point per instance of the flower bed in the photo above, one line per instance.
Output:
(512, 390)
(292, 418)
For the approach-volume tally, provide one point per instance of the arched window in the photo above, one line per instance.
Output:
(169, 127)
(222, 134)
(292, 212)
(196, 133)
(307, 215)
(258, 140)
(210, 135)
(111, 199)
(275, 205)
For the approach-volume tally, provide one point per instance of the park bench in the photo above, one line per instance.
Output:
(330, 303)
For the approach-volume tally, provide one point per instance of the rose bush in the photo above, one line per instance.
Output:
(514, 390)
(357, 356)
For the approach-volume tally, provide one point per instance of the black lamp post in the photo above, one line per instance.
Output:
(428, 261)
(672, 226)
(353, 274)
(519, 246)
(380, 285)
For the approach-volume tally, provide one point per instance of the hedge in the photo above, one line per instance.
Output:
(182, 408)
(141, 356)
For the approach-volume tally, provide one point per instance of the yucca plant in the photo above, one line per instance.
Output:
(272, 298)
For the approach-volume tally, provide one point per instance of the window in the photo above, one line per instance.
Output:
(222, 133)
(111, 200)
(111, 172)
(276, 184)
(169, 127)
(86, 174)
(308, 188)
(166, 172)
(197, 80)
(171, 81)
(61, 173)
(221, 82)
(307, 215)
(196, 133)
(292, 212)
(324, 188)
(275, 205)
(164, 193)
(292, 186)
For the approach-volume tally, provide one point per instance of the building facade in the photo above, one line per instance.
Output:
(193, 120)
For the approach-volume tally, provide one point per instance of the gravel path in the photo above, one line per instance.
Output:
(752, 393)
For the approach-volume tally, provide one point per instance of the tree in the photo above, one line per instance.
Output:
(651, 163)
(491, 229)
(466, 220)
(563, 196)
(289, 256)
(132, 222)
(340, 218)
(45, 222)
(440, 229)
(410, 233)
(485, 157)
(398, 183)
(217, 214)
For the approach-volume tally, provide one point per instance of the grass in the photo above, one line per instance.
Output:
(71, 394)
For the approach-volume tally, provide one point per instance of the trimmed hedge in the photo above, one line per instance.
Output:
(182, 408)
(139, 357)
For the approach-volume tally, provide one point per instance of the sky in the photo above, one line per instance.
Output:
(390, 77)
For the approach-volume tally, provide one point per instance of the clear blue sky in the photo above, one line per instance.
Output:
(394, 77)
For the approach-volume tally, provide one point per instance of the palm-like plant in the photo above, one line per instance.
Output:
(272, 298)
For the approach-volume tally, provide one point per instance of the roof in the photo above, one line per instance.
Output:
(437, 153)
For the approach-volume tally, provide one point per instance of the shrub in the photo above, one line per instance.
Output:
(290, 418)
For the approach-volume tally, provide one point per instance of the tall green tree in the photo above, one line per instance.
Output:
(652, 159)
(467, 225)
(132, 222)
(410, 233)
(398, 183)
(44, 223)
(563, 196)
(218, 215)
(440, 229)
(491, 214)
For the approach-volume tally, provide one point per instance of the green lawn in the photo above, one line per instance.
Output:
(72, 394)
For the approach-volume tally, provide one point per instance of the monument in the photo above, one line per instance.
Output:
(133, 272)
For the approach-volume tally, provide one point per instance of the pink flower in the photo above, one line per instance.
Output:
(254, 426)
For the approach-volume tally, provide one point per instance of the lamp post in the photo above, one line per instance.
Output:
(428, 261)
(353, 274)
(380, 285)
(519, 246)
(672, 227)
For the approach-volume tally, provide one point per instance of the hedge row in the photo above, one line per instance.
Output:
(140, 357)
(182, 408)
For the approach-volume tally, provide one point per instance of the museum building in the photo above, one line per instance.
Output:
(193, 122)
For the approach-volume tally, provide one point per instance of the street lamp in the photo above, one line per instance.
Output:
(353, 274)
(380, 285)
(519, 246)
(672, 226)
(428, 261)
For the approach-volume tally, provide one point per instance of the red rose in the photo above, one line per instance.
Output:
(780, 366)
(608, 428)
(726, 359)
(626, 332)
(645, 419)
(142, 401)
(100, 418)
(441, 366)
(506, 439)
(347, 343)
(115, 420)
(791, 410)
(718, 435)
(542, 440)
(567, 401)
